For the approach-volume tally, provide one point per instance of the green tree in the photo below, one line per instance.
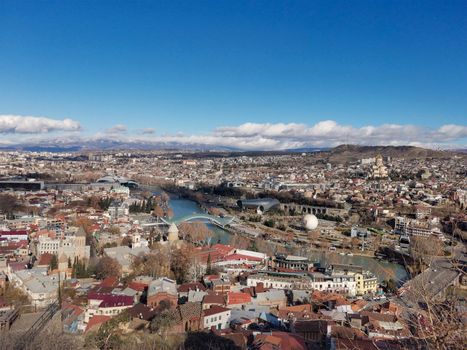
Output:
(208, 265)
(54, 262)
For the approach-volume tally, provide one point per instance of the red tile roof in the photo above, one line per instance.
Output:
(234, 298)
(96, 321)
(215, 309)
(112, 300)
(281, 340)
(138, 286)
(213, 299)
(13, 233)
(45, 259)
(109, 282)
(186, 287)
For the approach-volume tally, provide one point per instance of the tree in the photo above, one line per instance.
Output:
(180, 264)
(126, 241)
(14, 296)
(79, 269)
(54, 262)
(197, 232)
(169, 213)
(108, 267)
(208, 341)
(115, 230)
(165, 197)
(156, 264)
(253, 247)
(8, 204)
(390, 286)
(109, 334)
(158, 212)
(162, 323)
(436, 321)
(208, 265)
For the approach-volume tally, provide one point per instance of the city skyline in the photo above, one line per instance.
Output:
(238, 74)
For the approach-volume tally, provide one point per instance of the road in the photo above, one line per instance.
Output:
(442, 272)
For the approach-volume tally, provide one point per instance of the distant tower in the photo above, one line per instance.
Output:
(136, 240)
(173, 233)
(80, 237)
(378, 170)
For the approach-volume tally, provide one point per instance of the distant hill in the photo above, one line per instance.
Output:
(352, 153)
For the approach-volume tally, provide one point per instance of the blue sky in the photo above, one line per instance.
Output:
(196, 67)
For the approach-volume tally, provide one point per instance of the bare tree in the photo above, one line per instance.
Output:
(108, 267)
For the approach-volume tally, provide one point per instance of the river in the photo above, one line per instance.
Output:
(185, 207)
(382, 269)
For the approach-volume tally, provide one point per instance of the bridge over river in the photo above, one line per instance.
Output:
(215, 220)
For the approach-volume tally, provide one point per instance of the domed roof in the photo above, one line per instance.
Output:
(173, 228)
(173, 233)
(310, 222)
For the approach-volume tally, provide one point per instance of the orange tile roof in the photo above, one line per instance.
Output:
(238, 298)
(96, 321)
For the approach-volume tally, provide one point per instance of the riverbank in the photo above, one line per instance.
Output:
(382, 269)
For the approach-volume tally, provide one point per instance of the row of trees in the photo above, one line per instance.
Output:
(196, 232)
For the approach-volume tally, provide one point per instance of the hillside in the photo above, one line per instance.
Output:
(352, 153)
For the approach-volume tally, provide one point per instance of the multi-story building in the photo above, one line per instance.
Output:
(329, 281)
(217, 317)
(40, 288)
(71, 245)
(411, 227)
(366, 282)
(291, 262)
(342, 283)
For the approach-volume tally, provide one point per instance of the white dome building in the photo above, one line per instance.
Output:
(310, 222)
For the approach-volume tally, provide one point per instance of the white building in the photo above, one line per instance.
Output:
(216, 316)
(343, 283)
(411, 227)
(40, 288)
(71, 245)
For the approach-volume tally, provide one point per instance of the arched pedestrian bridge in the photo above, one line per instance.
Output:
(216, 220)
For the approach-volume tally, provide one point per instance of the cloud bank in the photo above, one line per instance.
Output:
(250, 136)
(17, 124)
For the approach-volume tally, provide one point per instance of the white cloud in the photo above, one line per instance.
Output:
(330, 133)
(148, 131)
(17, 124)
(269, 136)
(117, 129)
